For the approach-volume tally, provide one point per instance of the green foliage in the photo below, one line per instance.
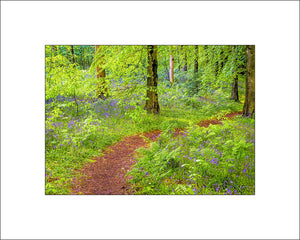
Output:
(214, 160)
(64, 78)
(79, 126)
(125, 68)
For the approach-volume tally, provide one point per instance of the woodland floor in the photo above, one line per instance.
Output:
(106, 175)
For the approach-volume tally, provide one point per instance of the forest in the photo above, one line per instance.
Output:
(150, 119)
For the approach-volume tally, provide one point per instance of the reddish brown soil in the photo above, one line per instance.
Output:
(106, 176)
(215, 121)
(206, 123)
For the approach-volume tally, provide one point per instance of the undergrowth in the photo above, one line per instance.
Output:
(79, 129)
(214, 160)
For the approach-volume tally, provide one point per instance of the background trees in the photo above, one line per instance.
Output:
(131, 73)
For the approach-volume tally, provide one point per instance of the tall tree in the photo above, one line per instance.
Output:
(171, 66)
(73, 55)
(178, 58)
(196, 59)
(249, 105)
(152, 105)
(235, 84)
(102, 91)
(235, 88)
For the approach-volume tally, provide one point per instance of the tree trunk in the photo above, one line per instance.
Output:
(235, 89)
(178, 59)
(196, 59)
(249, 105)
(101, 85)
(73, 56)
(152, 105)
(171, 67)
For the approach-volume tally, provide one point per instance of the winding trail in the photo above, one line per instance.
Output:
(106, 176)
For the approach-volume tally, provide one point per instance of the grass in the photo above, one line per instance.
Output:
(73, 139)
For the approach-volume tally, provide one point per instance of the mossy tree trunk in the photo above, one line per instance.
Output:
(73, 55)
(101, 84)
(249, 105)
(235, 89)
(235, 83)
(152, 105)
(196, 59)
(178, 58)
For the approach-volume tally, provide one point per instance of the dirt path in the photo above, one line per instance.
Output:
(106, 176)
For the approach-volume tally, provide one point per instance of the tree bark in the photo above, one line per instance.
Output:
(235, 89)
(171, 67)
(152, 105)
(178, 58)
(101, 85)
(249, 105)
(73, 55)
(196, 59)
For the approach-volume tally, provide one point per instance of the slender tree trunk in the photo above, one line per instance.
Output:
(83, 57)
(235, 89)
(152, 105)
(51, 59)
(101, 85)
(73, 55)
(249, 105)
(171, 67)
(178, 59)
(196, 59)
